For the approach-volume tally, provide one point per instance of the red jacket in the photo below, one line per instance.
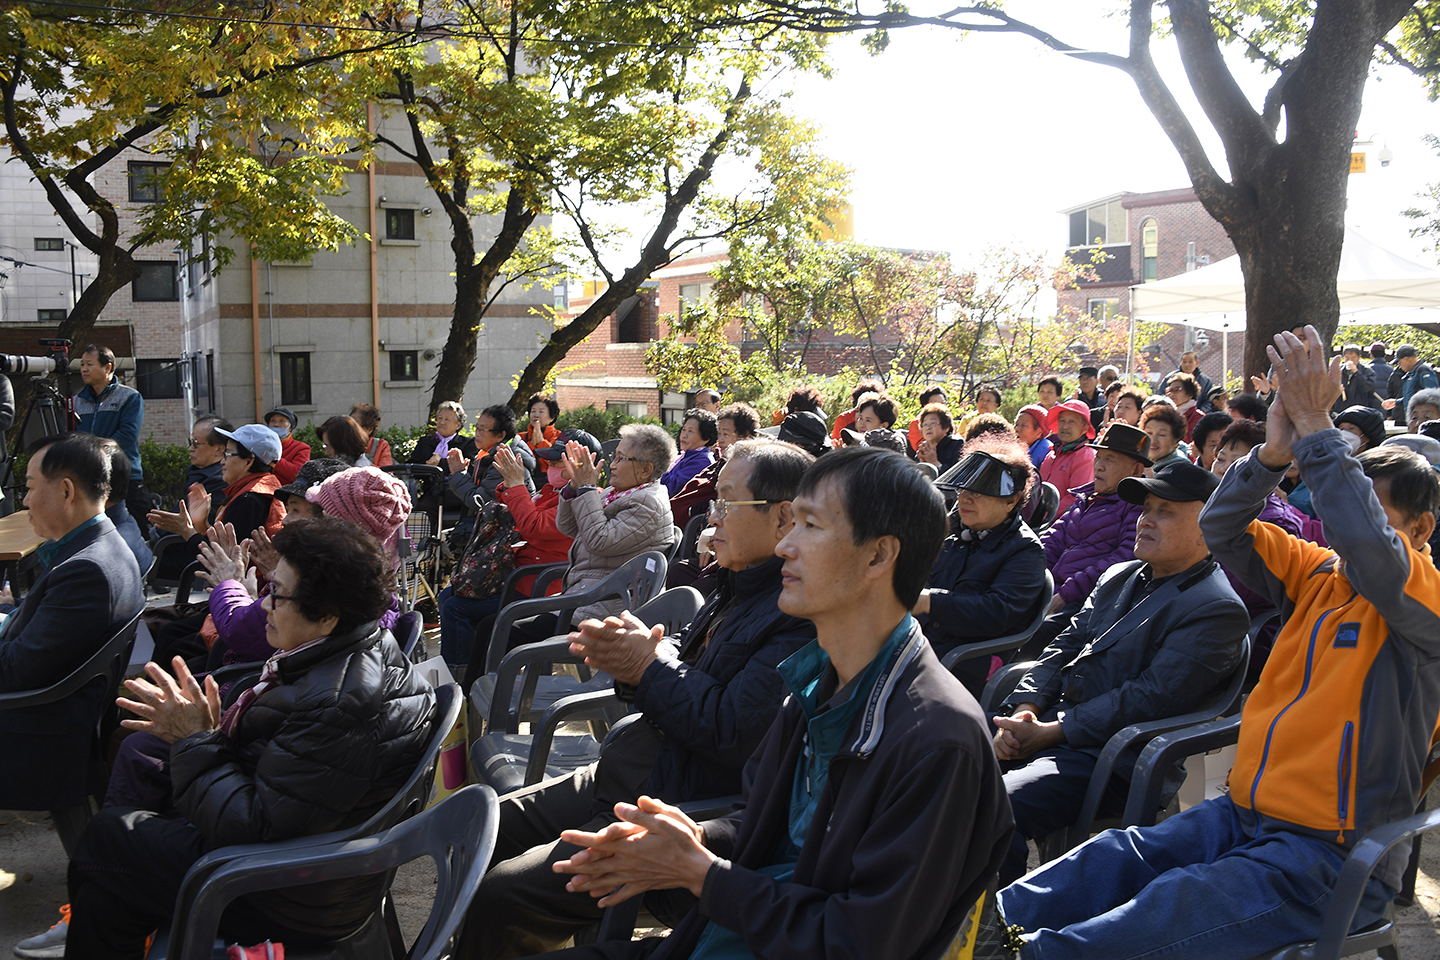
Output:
(293, 454)
(535, 522)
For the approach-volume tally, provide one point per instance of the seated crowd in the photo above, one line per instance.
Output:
(865, 582)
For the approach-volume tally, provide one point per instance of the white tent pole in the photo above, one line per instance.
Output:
(1224, 356)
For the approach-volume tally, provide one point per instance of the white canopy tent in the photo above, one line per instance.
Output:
(1376, 286)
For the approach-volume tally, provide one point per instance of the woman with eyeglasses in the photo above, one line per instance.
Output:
(333, 728)
(610, 524)
(990, 573)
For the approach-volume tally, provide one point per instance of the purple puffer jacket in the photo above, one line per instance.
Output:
(240, 622)
(1087, 540)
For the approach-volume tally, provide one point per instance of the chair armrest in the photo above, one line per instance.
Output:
(187, 582)
(617, 727)
(549, 575)
(119, 645)
(1355, 874)
(554, 650)
(983, 648)
(580, 706)
(1003, 683)
(561, 605)
(508, 591)
(1159, 753)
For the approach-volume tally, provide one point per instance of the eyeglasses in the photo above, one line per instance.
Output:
(619, 458)
(275, 598)
(719, 508)
(230, 453)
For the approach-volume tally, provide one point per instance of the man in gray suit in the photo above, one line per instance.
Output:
(1157, 637)
(90, 588)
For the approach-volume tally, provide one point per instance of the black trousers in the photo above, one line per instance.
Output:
(139, 504)
(123, 881)
(522, 906)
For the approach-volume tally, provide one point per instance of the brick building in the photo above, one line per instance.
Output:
(1146, 237)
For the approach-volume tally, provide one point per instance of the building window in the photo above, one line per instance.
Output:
(146, 180)
(629, 409)
(49, 243)
(199, 377)
(51, 315)
(692, 294)
(158, 280)
(399, 224)
(1149, 250)
(1103, 223)
(158, 379)
(1103, 309)
(295, 379)
(405, 365)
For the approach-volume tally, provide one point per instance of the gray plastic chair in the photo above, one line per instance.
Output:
(458, 835)
(103, 671)
(409, 800)
(508, 760)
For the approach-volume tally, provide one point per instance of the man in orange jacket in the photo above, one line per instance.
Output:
(1334, 738)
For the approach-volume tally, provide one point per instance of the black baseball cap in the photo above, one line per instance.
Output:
(1089, 371)
(557, 450)
(1179, 482)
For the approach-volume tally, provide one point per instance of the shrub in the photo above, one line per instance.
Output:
(165, 465)
(604, 424)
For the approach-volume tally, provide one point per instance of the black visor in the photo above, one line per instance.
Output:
(983, 474)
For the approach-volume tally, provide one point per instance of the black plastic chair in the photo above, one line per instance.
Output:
(1000, 645)
(1042, 508)
(1136, 737)
(691, 534)
(103, 672)
(458, 835)
(408, 801)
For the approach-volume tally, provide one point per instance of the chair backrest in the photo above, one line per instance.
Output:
(107, 663)
(1043, 506)
(608, 447)
(408, 801)
(676, 536)
(408, 627)
(186, 583)
(673, 609)
(691, 534)
(458, 835)
(635, 582)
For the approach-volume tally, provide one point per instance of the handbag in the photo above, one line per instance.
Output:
(489, 559)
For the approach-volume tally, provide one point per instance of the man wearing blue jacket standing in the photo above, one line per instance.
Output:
(108, 408)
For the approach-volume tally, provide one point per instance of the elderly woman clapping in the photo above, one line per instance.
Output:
(610, 525)
(327, 736)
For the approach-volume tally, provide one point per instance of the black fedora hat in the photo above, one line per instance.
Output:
(1182, 482)
(1123, 438)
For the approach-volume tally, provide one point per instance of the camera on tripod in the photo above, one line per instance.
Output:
(58, 360)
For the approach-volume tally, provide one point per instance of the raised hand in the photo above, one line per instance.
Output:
(223, 558)
(583, 465)
(263, 555)
(197, 504)
(457, 461)
(1304, 380)
(172, 708)
(511, 470)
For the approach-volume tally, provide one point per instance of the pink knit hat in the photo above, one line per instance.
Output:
(368, 497)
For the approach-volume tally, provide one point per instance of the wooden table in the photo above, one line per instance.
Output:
(18, 538)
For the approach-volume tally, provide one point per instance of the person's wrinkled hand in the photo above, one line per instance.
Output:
(178, 523)
(197, 503)
(511, 470)
(457, 461)
(1024, 734)
(926, 453)
(1305, 382)
(223, 558)
(262, 553)
(655, 846)
(621, 646)
(1261, 384)
(583, 465)
(172, 708)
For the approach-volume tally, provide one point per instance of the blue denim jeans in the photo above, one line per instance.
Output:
(458, 618)
(1199, 885)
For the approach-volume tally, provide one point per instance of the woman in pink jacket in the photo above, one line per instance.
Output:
(1071, 463)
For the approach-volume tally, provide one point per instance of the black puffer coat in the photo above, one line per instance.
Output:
(323, 749)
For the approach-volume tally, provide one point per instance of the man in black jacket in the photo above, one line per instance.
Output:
(90, 588)
(874, 813)
(705, 706)
(1157, 637)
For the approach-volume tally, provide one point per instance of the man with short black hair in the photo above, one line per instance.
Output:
(108, 408)
(1357, 381)
(90, 588)
(207, 460)
(1091, 395)
(874, 814)
(707, 700)
(1415, 375)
